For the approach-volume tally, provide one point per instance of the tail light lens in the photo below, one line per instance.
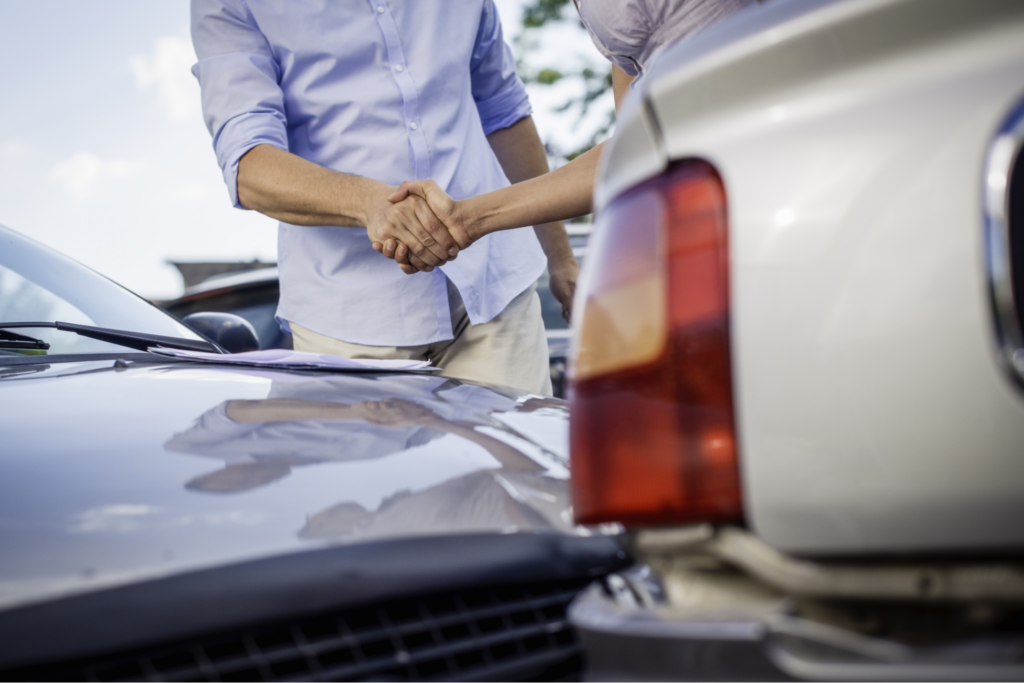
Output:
(653, 435)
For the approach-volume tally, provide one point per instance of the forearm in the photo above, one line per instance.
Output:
(564, 193)
(285, 410)
(291, 189)
(536, 196)
(510, 458)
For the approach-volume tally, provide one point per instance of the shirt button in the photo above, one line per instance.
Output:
(380, 9)
(399, 68)
(414, 125)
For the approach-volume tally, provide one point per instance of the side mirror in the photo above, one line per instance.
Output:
(231, 332)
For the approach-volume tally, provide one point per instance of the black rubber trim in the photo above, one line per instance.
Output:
(282, 587)
(1015, 216)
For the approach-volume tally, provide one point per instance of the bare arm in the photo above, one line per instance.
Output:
(521, 155)
(620, 86)
(510, 457)
(287, 410)
(392, 412)
(566, 192)
(292, 189)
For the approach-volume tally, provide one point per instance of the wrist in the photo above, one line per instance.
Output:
(561, 259)
(563, 268)
(373, 194)
(432, 420)
(471, 218)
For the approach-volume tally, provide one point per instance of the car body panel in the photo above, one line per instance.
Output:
(112, 473)
(636, 153)
(873, 414)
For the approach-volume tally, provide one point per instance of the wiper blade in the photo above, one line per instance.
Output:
(133, 340)
(13, 340)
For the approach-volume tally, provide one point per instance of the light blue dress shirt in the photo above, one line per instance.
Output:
(390, 90)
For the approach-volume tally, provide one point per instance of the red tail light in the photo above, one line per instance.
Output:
(653, 436)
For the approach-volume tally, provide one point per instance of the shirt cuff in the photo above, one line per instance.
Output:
(505, 108)
(238, 136)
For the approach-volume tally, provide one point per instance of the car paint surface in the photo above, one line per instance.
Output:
(873, 414)
(112, 473)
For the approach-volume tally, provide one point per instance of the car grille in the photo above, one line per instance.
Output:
(507, 633)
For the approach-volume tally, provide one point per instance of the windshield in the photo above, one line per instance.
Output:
(38, 284)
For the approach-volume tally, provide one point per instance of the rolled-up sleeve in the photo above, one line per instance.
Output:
(243, 105)
(499, 93)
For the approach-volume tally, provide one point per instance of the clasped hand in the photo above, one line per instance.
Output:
(423, 227)
(418, 226)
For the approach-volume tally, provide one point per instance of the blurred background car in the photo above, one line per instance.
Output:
(799, 364)
(170, 519)
(253, 294)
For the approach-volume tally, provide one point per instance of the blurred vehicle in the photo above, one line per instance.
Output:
(253, 295)
(166, 519)
(799, 371)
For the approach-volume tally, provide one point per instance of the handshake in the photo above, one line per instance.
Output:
(419, 226)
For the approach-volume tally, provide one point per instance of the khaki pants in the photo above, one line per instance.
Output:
(510, 350)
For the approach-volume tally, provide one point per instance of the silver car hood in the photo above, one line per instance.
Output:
(112, 474)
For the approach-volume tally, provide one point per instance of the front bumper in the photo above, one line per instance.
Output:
(710, 621)
(485, 606)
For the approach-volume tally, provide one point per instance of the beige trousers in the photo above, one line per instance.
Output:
(510, 350)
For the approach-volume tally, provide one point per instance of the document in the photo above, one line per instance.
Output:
(286, 358)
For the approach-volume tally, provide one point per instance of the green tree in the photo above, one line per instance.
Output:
(595, 80)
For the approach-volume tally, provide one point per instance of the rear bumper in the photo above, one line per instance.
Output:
(629, 632)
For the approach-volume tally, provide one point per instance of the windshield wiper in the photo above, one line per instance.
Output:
(13, 340)
(133, 340)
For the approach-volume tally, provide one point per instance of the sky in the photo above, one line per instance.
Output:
(103, 151)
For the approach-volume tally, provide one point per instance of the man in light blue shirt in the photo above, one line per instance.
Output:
(318, 110)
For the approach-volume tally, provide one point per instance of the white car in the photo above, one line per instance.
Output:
(798, 373)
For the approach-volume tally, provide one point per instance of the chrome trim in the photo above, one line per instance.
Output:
(1003, 152)
(642, 643)
(808, 650)
(906, 581)
(596, 611)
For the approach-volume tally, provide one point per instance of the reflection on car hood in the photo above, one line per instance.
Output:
(110, 475)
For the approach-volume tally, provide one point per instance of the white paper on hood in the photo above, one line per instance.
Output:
(286, 358)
